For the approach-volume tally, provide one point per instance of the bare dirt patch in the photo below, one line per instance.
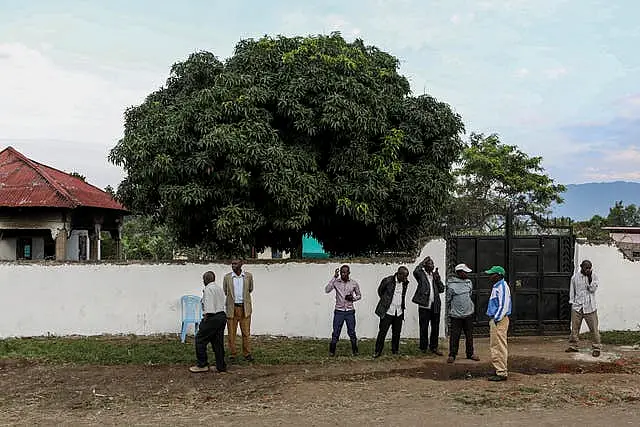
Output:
(553, 390)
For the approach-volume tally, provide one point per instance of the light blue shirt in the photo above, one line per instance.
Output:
(238, 287)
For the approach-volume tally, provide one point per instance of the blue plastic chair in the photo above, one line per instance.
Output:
(191, 313)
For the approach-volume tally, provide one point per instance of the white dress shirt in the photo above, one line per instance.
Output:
(213, 299)
(582, 294)
(238, 287)
(431, 290)
(395, 309)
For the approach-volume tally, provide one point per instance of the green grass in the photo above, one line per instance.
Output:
(616, 337)
(169, 350)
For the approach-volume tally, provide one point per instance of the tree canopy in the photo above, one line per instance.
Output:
(493, 176)
(619, 216)
(290, 136)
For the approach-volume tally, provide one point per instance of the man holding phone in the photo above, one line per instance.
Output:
(347, 292)
(427, 297)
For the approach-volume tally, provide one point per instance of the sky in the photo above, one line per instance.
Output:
(558, 78)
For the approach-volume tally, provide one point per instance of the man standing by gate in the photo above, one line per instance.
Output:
(498, 310)
(582, 297)
(427, 297)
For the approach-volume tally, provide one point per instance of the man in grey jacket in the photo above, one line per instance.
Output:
(460, 309)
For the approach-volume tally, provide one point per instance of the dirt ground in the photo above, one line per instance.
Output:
(546, 387)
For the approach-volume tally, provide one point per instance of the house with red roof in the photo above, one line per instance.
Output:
(49, 214)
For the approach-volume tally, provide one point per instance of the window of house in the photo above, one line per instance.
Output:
(635, 254)
(24, 248)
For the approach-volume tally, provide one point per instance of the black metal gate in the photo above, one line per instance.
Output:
(539, 270)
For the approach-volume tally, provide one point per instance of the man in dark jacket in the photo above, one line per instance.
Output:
(390, 309)
(427, 297)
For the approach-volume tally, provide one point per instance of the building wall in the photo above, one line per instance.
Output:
(268, 254)
(73, 244)
(289, 298)
(8, 248)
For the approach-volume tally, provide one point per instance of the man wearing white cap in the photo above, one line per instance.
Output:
(460, 309)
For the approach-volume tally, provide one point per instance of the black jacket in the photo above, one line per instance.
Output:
(421, 297)
(385, 292)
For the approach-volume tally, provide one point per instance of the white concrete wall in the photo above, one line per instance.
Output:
(289, 298)
(618, 295)
(8, 248)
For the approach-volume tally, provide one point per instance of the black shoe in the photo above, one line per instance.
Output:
(248, 358)
(355, 353)
(496, 378)
(394, 352)
(423, 350)
(376, 355)
(437, 352)
(232, 359)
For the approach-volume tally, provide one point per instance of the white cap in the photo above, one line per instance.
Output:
(463, 267)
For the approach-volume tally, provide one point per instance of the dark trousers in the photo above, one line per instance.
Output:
(459, 324)
(339, 319)
(426, 317)
(395, 322)
(211, 330)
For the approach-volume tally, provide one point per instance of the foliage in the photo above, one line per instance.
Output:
(619, 216)
(109, 189)
(144, 239)
(78, 175)
(623, 216)
(290, 136)
(492, 176)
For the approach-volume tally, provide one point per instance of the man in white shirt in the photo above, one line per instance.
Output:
(582, 297)
(212, 326)
(390, 309)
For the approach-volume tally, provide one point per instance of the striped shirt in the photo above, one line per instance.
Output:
(500, 301)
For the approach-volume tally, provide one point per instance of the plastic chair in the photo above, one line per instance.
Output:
(191, 313)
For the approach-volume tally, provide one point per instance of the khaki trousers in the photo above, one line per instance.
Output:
(576, 324)
(498, 345)
(245, 330)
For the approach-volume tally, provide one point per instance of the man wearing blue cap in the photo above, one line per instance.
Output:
(498, 310)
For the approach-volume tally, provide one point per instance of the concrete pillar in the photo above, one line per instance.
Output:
(61, 245)
(118, 244)
(94, 245)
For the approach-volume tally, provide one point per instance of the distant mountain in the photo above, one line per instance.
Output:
(582, 201)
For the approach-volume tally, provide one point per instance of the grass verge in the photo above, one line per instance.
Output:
(169, 350)
(616, 337)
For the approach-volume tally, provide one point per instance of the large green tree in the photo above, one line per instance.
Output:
(290, 136)
(493, 176)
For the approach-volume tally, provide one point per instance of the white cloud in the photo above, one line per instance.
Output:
(71, 112)
(617, 165)
(41, 99)
(556, 72)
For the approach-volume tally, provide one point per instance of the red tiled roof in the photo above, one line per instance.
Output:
(25, 183)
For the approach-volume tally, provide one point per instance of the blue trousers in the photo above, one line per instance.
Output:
(339, 319)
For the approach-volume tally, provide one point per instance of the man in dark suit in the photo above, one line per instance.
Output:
(390, 309)
(427, 297)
